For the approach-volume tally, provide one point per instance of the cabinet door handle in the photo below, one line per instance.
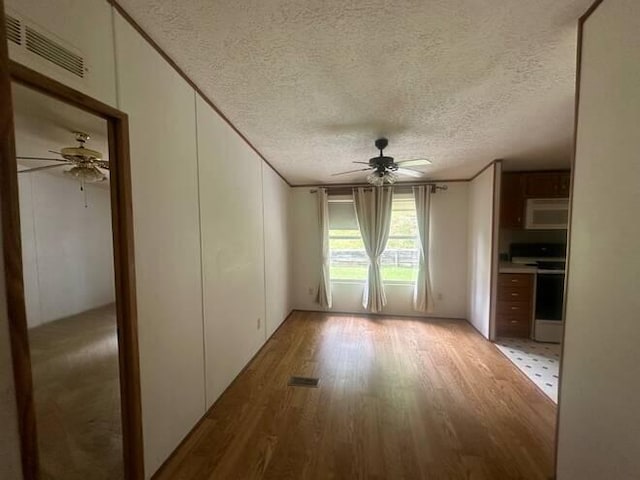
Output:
(514, 281)
(514, 294)
(515, 308)
(514, 321)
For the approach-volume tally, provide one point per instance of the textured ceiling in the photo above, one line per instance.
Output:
(312, 83)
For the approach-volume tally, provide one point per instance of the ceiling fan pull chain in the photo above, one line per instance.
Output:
(84, 192)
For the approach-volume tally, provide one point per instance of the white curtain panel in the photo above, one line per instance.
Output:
(373, 211)
(324, 289)
(422, 291)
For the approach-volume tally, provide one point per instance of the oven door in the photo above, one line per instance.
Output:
(548, 325)
(549, 295)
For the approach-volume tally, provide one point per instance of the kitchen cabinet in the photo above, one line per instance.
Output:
(514, 311)
(517, 187)
(564, 184)
(547, 184)
(512, 200)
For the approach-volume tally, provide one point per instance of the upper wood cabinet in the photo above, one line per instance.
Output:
(512, 200)
(517, 187)
(564, 184)
(547, 184)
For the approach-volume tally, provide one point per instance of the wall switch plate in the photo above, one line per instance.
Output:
(258, 323)
(310, 290)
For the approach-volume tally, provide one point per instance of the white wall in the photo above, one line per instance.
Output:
(481, 225)
(84, 27)
(448, 256)
(599, 422)
(199, 216)
(67, 249)
(277, 248)
(231, 213)
(164, 175)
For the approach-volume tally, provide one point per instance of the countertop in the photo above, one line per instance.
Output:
(508, 267)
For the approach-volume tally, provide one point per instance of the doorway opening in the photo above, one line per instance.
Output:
(69, 269)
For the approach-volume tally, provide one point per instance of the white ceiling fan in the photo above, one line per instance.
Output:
(384, 169)
(86, 164)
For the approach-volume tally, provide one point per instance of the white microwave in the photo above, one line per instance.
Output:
(547, 214)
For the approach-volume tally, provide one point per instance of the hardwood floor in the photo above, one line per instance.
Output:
(397, 399)
(77, 396)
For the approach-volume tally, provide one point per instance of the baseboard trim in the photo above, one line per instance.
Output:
(478, 331)
(191, 432)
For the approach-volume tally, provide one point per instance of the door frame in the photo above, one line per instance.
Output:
(123, 253)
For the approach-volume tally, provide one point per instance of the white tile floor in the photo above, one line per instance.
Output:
(538, 361)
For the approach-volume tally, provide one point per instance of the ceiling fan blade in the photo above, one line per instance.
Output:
(27, 170)
(411, 173)
(102, 164)
(363, 163)
(42, 158)
(350, 171)
(416, 162)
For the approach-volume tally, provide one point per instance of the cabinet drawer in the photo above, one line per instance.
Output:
(515, 280)
(509, 326)
(514, 309)
(515, 294)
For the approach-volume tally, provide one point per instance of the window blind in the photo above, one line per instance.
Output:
(342, 215)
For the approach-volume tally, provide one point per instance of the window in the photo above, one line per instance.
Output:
(399, 262)
(349, 262)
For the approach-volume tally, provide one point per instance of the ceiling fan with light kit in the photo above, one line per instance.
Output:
(384, 169)
(86, 164)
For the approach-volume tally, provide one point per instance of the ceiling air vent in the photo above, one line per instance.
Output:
(14, 30)
(50, 50)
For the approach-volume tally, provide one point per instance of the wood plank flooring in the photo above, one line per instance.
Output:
(77, 396)
(397, 399)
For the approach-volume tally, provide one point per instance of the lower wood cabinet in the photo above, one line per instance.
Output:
(514, 311)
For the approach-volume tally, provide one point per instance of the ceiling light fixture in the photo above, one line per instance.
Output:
(379, 178)
(86, 174)
(384, 169)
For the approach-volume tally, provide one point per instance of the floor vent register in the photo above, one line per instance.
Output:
(311, 382)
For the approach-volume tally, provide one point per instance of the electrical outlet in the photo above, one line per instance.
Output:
(439, 296)
(311, 290)
(258, 323)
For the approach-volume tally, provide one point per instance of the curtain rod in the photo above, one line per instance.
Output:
(434, 186)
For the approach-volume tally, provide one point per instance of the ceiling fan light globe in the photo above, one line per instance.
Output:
(86, 174)
(390, 178)
(374, 178)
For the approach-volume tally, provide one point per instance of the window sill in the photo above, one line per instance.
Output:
(364, 282)
(399, 282)
(349, 282)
